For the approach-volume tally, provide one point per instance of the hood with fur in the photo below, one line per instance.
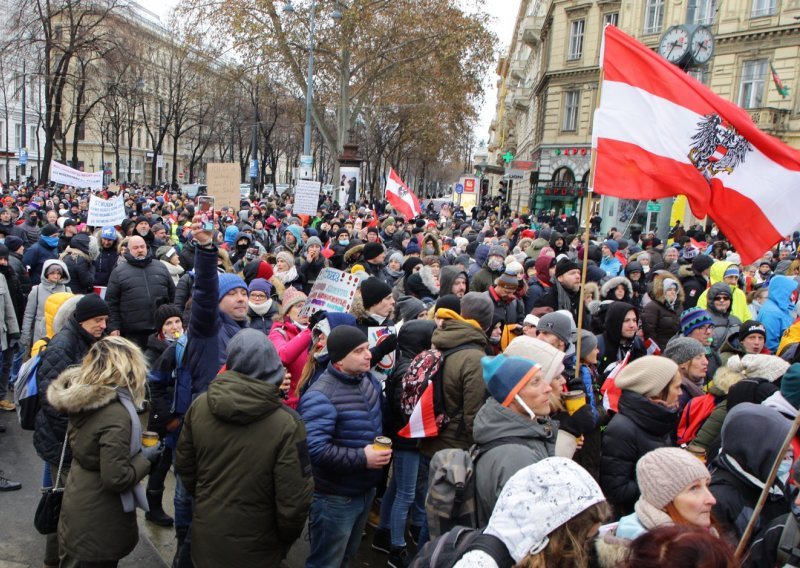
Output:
(657, 287)
(70, 398)
(612, 284)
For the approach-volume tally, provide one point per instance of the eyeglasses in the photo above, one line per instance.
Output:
(258, 296)
(722, 299)
(707, 328)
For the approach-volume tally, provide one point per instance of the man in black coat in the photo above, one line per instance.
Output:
(565, 294)
(135, 288)
(695, 285)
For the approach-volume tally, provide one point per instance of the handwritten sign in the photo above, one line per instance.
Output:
(105, 212)
(59, 173)
(223, 184)
(333, 291)
(306, 197)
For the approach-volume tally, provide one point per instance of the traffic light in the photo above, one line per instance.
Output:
(484, 187)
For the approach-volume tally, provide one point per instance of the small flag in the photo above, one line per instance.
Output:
(422, 423)
(401, 197)
(652, 347)
(783, 90)
(611, 392)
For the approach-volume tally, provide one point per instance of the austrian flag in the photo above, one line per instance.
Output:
(660, 133)
(400, 197)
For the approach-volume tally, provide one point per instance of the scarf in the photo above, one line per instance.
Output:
(260, 309)
(564, 301)
(135, 496)
(288, 276)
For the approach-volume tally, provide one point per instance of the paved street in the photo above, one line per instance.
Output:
(21, 546)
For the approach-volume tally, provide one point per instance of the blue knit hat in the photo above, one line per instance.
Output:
(612, 245)
(261, 285)
(732, 270)
(693, 318)
(506, 376)
(413, 247)
(228, 282)
(297, 232)
(109, 233)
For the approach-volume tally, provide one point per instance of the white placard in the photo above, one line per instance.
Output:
(306, 197)
(105, 212)
(59, 173)
(333, 291)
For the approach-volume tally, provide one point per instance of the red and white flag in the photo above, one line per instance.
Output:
(659, 133)
(400, 197)
(651, 347)
(611, 392)
(422, 423)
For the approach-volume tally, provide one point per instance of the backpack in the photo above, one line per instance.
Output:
(694, 415)
(446, 550)
(26, 392)
(428, 367)
(451, 499)
(788, 545)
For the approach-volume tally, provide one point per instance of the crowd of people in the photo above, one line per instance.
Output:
(628, 414)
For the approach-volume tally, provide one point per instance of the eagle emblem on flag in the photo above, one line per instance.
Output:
(717, 147)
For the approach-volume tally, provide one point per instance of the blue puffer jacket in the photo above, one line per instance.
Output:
(776, 313)
(342, 415)
(611, 266)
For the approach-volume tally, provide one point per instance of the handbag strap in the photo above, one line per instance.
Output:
(61, 462)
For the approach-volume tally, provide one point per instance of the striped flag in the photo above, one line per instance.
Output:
(400, 197)
(783, 90)
(660, 133)
(652, 347)
(422, 423)
(611, 392)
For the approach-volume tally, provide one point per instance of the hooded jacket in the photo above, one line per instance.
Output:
(495, 467)
(92, 524)
(239, 440)
(35, 257)
(724, 323)
(661, 320)
(447, 277)
(464, 387)
(610, 342)
(33, 325)
(776, 313)
(739, 300)
(78, 261)
(104, 264)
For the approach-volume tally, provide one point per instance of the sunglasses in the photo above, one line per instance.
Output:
(722, 299)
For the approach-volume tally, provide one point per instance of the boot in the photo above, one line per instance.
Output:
(156, 515)
(180, 533)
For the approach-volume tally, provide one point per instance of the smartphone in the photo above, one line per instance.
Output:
(206, 205)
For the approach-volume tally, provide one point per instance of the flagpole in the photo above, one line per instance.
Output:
(762, 499)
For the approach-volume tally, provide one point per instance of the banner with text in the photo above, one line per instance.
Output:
(59, 173)
(306, 197)
(105, 212)
(333, 291)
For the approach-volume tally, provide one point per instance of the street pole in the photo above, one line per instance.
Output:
(310, 82)
(23, 139)
(254, 148)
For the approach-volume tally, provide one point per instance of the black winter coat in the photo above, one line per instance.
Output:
(66, 349)
(104, 264)
(15, 262)
(135, 288)
(640, 427)
(263, 323)
(81, 271)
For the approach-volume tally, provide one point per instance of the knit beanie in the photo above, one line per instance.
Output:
(228, 282)
(90, 306)
(508, 279)
(538, 351)
(372, 250)
(506, 376)
(732, 270)
(396, 257)
(49, 230)
(252, 354)
(286, 257)
(296, 231)
(291, 297)
(759, 366)
(661, 475)
(683, 349)
(4, 252)
(750, 327)
(701, 263)
(342, 340)
(565, 266)
(790, 385)
(312, 241)
(497, 251)
(588, 343)
(693, 318)
(612, 245)
(558, 324)
(479, 307)
(260, 285)
(449, 302)
(373, 290)
(412, 247)
(164, 312)
(409, 307)
(13, 243)
(648, 375)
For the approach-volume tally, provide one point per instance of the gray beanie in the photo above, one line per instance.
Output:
(683, 349)
(313, 241)
(252, 354)
(558, 324)
(588, 343)
(479, 307)
(409, 308)
(396, 256)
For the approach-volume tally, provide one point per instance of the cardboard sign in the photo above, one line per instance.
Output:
(59, 173)
(333, 291)
(375, 336)
(306, 197)
(223, 184)
(105, 212)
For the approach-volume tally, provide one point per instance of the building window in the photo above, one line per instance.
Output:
(701, 12)
(701, 74)
(31, 136)
(576, 39)
(138, 137)
(571, 103)
(2, 134)
(763, 8)
(653, 16)
(611, 18)
(751, 89)
(17, 136)
(82, 130)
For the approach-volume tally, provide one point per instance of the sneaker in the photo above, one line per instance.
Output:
(8, 485)
(7, 405)
(413, 534)
(398, 557)
(381, 540)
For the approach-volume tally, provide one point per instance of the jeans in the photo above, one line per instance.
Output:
(406, 489)
(5, 371)
(336, 524)
(183, 502)
(16, 364)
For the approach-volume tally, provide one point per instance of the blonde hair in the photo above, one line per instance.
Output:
(115, 362)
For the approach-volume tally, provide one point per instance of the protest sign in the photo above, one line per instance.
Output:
(376, 336)
(223, 184)
(306, 197)
(105, 212)
(333, 291)
(59, 173)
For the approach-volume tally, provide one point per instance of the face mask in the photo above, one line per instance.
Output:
(785, 468)
(495, 264)
(32, 221)
(429, 250)
(50, 241)
(344, 242)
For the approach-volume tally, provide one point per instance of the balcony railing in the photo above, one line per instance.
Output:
(770, 120)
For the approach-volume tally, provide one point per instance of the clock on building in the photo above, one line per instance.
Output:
(702, 45)
(675, 45)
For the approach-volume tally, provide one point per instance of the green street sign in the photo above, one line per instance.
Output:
(653, 207)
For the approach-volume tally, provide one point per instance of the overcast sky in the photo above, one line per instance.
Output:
(504, 14)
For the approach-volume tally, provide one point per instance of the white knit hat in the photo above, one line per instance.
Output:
(538, 351)
(759, 366)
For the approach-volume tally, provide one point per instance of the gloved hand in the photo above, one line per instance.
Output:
(385, 347)
(580, 423)
(316, 317)
(13, 344)
(153, 453)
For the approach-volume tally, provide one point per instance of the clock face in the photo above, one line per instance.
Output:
(702, 45)
(674, 45)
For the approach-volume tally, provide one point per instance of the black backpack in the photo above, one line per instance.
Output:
(446, 550)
